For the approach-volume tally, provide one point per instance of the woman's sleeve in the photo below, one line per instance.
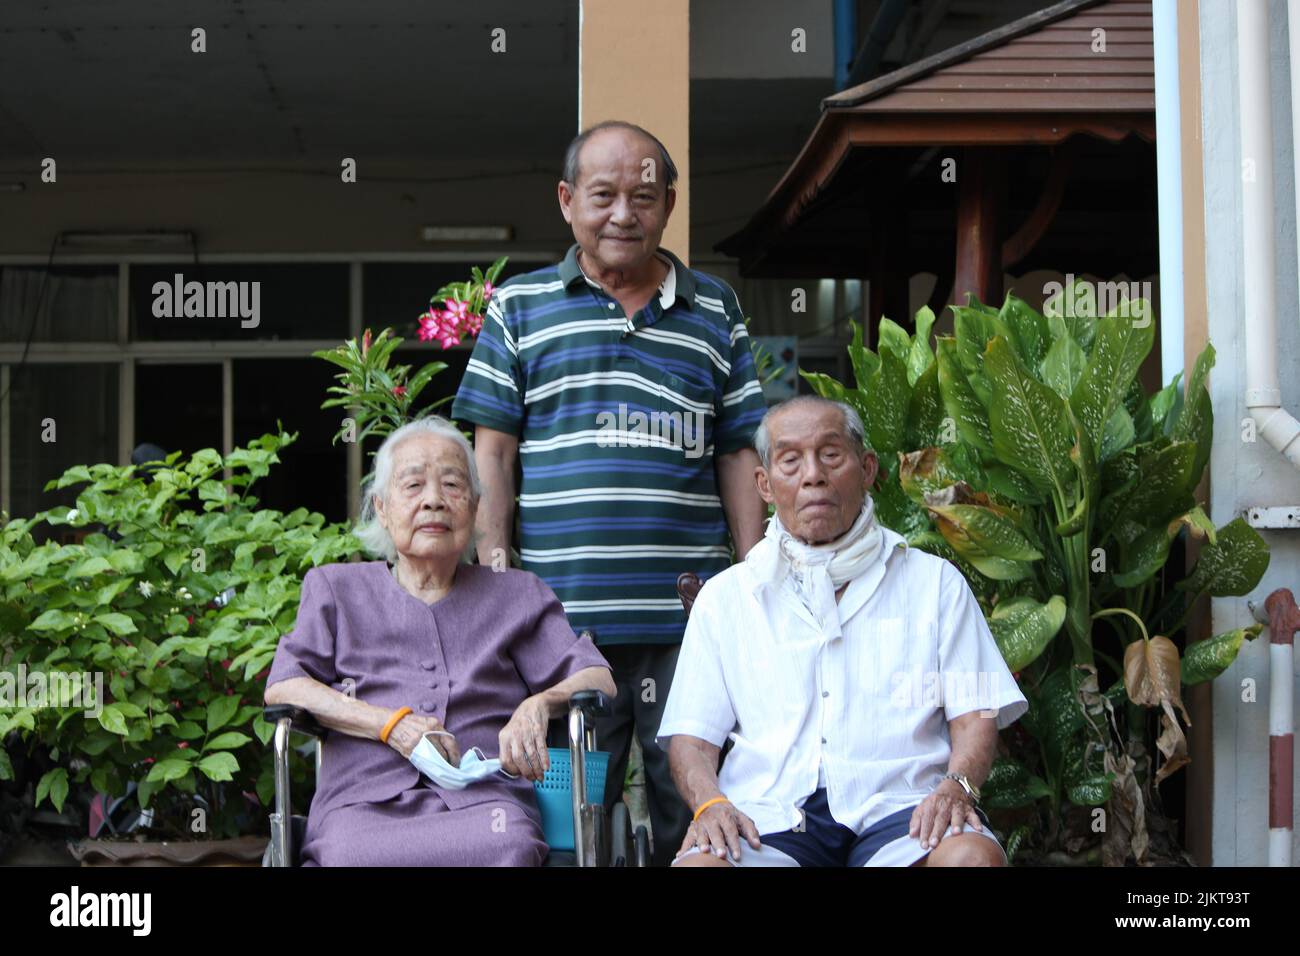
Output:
(308, 650)
(551, 652)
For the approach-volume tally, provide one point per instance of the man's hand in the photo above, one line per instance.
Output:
(406, 736)
(949, 806)
(523, 740)
(718, 831)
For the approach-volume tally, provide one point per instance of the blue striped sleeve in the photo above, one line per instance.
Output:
(743, 404)
(492, 391)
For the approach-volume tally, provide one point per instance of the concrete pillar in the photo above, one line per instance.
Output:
(634, 64)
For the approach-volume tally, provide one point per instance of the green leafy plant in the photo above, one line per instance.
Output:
(766, 367)
(379, 396)
(177, 595)
(383, 397)
(1023, 449)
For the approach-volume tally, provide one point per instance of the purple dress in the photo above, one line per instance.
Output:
(470, 659)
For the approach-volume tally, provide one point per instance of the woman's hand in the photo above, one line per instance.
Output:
(406, 736)
(523, 740)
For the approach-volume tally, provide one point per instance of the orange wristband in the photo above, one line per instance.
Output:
(708, 803)
(392, 722)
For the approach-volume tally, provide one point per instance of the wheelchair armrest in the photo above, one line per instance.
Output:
(592, 703)
(302, 720)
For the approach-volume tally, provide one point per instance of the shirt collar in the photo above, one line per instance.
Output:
(679, 282)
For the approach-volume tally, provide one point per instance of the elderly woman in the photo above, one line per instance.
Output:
(421, 643)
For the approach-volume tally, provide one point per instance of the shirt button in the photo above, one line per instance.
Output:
(429, 705)
(611, 305)
(429, 665)
(823, 740)
(826, 693)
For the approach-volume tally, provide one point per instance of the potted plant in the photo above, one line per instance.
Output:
(1024, 450)
(171, 608)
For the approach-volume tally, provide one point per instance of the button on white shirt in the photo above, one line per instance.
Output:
(862, 704)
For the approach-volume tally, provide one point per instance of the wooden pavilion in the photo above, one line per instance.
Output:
(1030, 147)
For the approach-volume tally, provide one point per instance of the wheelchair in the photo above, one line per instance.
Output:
(600, 839)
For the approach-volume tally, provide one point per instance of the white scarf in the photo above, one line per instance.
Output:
(818, 571)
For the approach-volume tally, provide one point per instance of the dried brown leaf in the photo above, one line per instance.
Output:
(1153, 674)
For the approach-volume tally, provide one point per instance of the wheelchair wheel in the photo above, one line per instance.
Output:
(641, 847)
(618, 835)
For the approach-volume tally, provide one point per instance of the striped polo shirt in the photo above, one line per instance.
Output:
(619, 420)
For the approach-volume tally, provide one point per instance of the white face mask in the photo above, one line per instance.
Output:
(474, 766)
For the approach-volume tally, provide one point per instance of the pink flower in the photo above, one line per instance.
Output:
(448, 326)
(430, 324)
(399, 390)
(183, 745)
(365, 342)
(487, 291)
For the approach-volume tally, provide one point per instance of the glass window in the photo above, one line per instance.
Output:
(60, 416)
(62, 304)
(284, 300)
(178, 407)
(313, 472)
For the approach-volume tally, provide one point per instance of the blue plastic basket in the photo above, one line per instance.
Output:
(555, 794)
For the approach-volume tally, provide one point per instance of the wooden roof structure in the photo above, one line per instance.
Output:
(1038, 137)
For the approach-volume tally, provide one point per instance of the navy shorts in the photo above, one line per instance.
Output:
(825, 842)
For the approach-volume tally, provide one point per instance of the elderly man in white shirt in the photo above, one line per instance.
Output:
(855, 676)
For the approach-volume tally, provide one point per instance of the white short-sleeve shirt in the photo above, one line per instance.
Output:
(867, 707)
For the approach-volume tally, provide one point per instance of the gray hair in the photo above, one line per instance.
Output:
(852, 424)
(570, 172)
(374, 537)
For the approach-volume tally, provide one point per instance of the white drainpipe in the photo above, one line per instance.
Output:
(1263, 396)
(1169, 187)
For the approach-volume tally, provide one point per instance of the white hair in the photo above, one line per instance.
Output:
(856, 433)
(374, 537)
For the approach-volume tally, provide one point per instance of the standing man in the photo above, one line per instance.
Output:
(622, 383)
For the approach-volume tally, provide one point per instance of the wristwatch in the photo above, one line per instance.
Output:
(971, 790)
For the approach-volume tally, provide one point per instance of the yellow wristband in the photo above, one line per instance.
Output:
(708, 803)
(392, 722)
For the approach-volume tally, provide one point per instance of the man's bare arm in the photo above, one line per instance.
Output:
(974, 742)
(745, 510)
(974, 745)
(494, 454)
(694, 766)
